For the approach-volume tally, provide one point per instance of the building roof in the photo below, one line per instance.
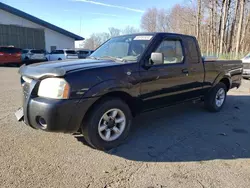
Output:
(38, 21)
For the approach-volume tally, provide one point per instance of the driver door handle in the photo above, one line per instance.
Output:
(185, 71)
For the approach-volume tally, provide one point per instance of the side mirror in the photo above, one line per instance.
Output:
(157, 58)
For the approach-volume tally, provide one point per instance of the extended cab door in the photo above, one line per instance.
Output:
(170, 82)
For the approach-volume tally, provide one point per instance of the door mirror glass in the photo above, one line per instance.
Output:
(157, 58)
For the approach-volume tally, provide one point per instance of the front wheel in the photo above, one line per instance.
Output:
(215, 99)
(108, 124)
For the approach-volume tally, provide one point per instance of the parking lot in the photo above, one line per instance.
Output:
(182, 146)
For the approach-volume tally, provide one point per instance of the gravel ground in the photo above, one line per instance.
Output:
(182, 146)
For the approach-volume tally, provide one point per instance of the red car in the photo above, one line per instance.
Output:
(10, 55)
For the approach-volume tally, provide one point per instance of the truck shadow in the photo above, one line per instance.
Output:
(190, 133)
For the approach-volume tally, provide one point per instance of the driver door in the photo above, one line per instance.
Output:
(169, 82)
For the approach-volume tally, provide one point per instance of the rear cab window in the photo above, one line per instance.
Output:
(59, 52)
(194, 56)
(25, 51)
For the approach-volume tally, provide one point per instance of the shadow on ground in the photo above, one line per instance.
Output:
(190, 133)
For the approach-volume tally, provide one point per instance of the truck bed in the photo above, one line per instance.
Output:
(232, 68)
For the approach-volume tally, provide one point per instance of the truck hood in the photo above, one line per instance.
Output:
(60, 68)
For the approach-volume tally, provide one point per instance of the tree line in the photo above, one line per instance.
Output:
(96, 39)
(221, 26)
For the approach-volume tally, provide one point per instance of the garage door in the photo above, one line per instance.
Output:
(22, 37)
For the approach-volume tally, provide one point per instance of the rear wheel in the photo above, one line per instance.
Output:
(108, 124)
(215, 99)
(59, 59)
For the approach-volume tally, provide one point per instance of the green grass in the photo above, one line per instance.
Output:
(227, 56)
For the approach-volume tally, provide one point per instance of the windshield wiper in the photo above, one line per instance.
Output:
(91, 57)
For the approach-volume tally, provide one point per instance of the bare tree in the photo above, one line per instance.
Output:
(223, 24)
(198, 25)
(149, 20)
(114, 32)
(129, 30)
(232, 30)
(242, 4)
(95, 40)
(162, 21)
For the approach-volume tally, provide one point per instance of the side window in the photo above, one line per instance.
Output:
(193, 51)
(172, 51)
(60, 52)
(53, 52)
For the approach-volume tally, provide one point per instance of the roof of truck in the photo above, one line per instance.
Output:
(156, 33)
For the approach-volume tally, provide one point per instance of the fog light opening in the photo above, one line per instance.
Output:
(42, 123)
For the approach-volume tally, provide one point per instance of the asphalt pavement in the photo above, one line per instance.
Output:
(180, 146)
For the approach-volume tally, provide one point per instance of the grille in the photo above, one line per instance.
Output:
(26, 87)
(246, 65)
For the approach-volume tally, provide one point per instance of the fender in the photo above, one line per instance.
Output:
(113, 85)
(221, 76)
(97, 91)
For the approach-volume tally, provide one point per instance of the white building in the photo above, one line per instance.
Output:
(22, 30)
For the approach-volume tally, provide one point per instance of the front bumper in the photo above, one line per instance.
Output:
(60, 115)
(64, 115)
(56, 113)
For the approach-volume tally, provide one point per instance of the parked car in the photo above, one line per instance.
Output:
(246, 66)
(62, 55)
(82, 54)
(10, 55)
(32, 55)
(127, 75)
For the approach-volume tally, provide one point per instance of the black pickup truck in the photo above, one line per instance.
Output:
(125, 76)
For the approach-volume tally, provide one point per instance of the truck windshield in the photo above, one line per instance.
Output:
(125, 48)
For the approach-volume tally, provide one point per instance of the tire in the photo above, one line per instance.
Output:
(59, 59)
(90, 126)
(211, 98)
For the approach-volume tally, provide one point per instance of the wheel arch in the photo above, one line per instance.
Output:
(224, 78)
(132, 102)
(227, 82)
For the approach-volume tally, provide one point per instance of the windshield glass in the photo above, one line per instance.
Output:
(25, 51)
(38, 51)
(127, 48)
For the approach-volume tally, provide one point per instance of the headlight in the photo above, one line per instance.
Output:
(55, 88)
